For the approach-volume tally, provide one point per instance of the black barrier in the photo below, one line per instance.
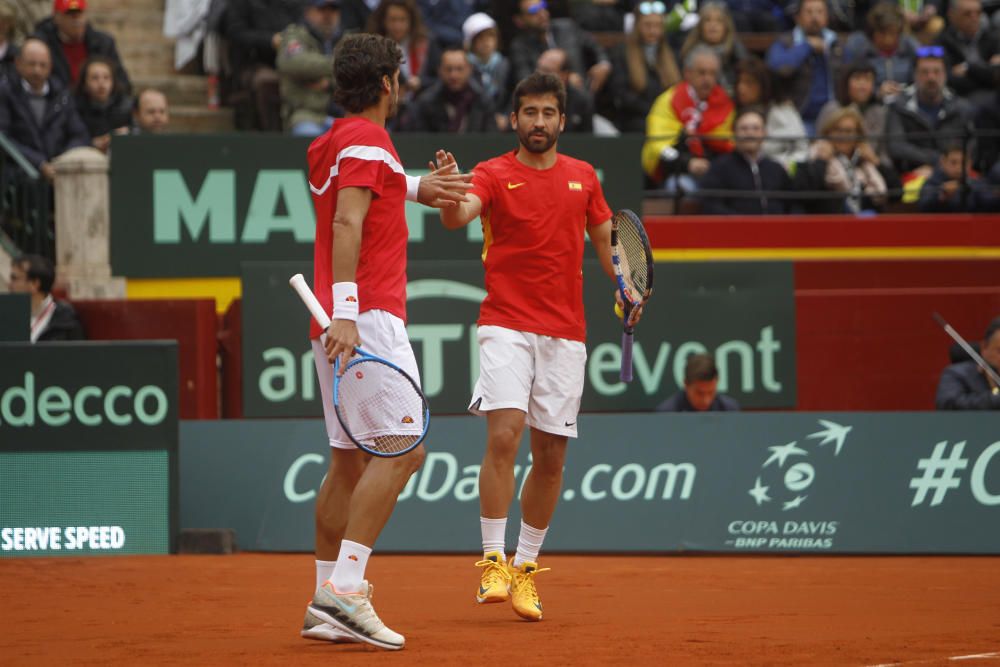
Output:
(88, 448)
(15, 318)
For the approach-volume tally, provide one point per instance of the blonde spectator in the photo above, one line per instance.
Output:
(643, 66)
(851, 165)
(715, 30)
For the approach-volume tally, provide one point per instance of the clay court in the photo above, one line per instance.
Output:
(245, 609)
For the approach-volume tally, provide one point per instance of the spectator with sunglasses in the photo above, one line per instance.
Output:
(971, 52)
(926, 117)
(643, 66)
(537, 33)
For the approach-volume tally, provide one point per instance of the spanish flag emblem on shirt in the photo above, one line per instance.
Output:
(575, 185)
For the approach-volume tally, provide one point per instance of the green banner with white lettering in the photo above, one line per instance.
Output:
(742, 313)
(724, 482)
(198, 206)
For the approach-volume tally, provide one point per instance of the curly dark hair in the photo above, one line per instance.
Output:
(360, 61)
(540, 84)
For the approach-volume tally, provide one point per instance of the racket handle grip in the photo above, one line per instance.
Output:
(626, 373)
(298, 283)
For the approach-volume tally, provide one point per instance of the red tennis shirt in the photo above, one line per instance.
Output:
(358, 153)
(533, 227)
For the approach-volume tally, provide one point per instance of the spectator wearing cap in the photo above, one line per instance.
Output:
(745, 170)
(926, 117)
(701, 389)
(455, 102)
(8, 50)
(253, 28)
(803, 61)
(643, 66)
(36, 113)
(71, 40)
(51, 319)
(151, 113)
(489, 67)
(537, 32)
(971, 52)
(305, 68)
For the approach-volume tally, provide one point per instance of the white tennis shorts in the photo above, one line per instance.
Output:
(382, 334)
(539, 375)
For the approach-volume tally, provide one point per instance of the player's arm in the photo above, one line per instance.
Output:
(465, 212)
(600, 238)
(342, 335)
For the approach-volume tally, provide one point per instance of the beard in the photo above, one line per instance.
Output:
(537, 141)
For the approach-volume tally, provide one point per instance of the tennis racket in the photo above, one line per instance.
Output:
(633, 261)
(380, 407)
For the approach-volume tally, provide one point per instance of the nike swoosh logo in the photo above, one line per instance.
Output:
(348, 608)
(515, 186)
(569, 423)
(483, 591)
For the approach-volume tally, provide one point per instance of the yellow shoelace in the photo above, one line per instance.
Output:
(526, 581)
(495, 572)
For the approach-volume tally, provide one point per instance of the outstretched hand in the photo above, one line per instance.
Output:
(445, 186)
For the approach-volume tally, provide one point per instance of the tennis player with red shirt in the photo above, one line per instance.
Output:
(535, 206)
(359, 191)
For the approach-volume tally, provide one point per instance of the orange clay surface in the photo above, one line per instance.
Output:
(599, 610)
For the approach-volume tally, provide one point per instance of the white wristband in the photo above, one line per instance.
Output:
(412, 187)
(345, 301)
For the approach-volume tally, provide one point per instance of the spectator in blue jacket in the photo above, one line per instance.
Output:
(36, 113)
(701, 389)
(804, 61)
(965, 386)
(885, 47)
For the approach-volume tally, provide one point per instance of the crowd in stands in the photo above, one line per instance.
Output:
(864, 101)
(65, 86)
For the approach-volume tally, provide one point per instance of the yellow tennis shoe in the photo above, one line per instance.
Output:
(494, 585)
(523, 592)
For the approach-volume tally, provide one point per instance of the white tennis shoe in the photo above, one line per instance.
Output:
(353, 613)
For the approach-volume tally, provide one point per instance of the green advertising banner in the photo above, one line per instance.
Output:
(88, 448)
(198, 206)
(742, 313)
(722, 482)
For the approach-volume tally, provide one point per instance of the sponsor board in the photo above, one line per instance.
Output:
(88, 448)
(754, 349)
(766, 482)
(198, 206)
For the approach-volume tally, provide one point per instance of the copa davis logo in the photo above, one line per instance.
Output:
(784, 480)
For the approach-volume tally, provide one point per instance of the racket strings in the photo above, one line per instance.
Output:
(632, 257)
(380, 407)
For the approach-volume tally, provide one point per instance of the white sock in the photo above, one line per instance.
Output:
(324, 570)
(529, 543)
(350, 570)
(493, 531)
